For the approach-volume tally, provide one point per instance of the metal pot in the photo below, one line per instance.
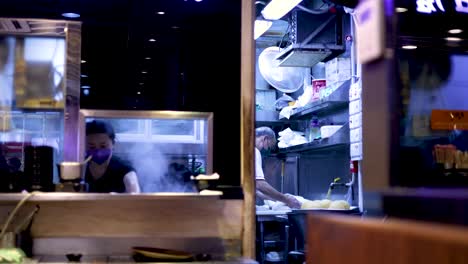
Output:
(71, 171)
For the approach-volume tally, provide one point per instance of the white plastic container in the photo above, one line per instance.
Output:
(327, 131)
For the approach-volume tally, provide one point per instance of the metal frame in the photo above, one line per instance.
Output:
(71, 31)
(208, 116)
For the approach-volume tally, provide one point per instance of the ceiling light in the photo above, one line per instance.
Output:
(86, 91)
(453, 39)
(148, 58)
(142, 83)
(85, 87)
(455, 31)
(71, 15)
(401, 9)
(260, 27)
(84, 76)
(409, 47)
(138, 92)
(144, 72)
(276, 9)
(83, 61)
(175, 27)
(161, 13)
(198, 0)
(151, 40)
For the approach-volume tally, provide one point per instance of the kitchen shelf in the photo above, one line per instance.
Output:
(269, 117)
(339, 99)
(339, 139)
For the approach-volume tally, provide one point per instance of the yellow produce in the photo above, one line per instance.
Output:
(325, 203)
(310, 205)
(339, 204)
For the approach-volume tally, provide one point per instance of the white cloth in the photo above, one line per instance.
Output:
(258, 166)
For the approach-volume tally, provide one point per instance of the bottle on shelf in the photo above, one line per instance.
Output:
(313, 129)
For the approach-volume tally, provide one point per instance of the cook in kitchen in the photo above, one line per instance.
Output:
(106, 172)
(265, 141)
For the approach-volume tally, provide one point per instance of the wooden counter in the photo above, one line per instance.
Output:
(345, 239)
(110, 223)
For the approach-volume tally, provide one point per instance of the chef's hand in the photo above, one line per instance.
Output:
(292, 202)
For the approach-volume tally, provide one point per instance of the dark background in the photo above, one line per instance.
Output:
(194, 65)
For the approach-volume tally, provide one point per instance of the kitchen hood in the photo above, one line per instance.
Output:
(314, 38)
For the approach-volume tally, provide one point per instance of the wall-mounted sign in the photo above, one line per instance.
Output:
(449, 120)
(437, 6)
(370, 30)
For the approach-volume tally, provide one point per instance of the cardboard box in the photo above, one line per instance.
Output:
(338, 70)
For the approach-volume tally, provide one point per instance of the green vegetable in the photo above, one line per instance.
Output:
(11, 255)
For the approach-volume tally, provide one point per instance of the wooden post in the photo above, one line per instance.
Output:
(247, 127)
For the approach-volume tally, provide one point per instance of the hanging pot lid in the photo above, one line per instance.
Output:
(284, 79)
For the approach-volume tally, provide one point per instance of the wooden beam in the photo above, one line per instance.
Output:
(247, 127)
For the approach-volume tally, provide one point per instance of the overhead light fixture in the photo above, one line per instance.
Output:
(409, 47)
(455, 31)
(198, 0)
(260, 27)
(84, 76)
(148, 58)
(86, 91)
(144, 72)
(151, 40)
(453, 39)
(401, 9)
(138, 92)
(142, 83)
(85, 87)
(83, 61)
(175, 27)
(71, 15)
(276, 9)
(161, 13)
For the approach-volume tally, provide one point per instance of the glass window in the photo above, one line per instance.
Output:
(434, 130)
(39, 76)
(128, 126)
(172, 127)
(163, 151)
(33, 123)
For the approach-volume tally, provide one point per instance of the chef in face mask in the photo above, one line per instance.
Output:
(265, 141)
(106, 172)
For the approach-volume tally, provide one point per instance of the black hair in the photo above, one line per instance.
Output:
(100, 127)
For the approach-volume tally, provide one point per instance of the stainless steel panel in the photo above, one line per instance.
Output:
(286, 183)
(318, 169)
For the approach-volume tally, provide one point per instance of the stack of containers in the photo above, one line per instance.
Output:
(337, 71)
